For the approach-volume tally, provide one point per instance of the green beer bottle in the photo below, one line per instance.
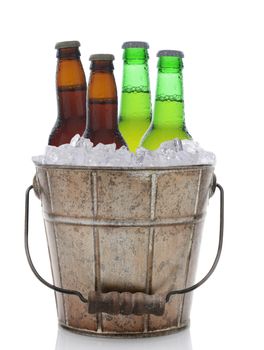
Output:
(135, 114)
(168, 122)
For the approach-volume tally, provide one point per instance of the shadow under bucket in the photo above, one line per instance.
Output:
(122, 242)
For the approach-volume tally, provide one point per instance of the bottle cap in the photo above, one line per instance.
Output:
(174, 53)
(102, 57)
(65, 44)
(135, 44)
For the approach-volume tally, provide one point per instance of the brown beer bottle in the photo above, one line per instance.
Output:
(102, 125)
(71, 94)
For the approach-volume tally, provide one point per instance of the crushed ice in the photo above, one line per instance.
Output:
(80, 152)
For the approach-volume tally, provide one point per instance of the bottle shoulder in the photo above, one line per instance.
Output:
(64, 130)
(155, 136)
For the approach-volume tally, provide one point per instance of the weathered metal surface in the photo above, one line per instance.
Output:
(124, 230)
(125, 303)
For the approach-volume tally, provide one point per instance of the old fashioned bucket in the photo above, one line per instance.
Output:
(123, 244)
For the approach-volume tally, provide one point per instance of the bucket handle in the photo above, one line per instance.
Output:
(125, 303)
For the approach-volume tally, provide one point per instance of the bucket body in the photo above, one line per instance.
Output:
(115, 229)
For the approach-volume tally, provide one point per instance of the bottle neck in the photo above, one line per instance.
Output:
(71, 85)
(70, 73)
(135, 99)
(102, 85)
(169, 101)
(135, 73)
(68, 53)
(102, 92)
(103, 66)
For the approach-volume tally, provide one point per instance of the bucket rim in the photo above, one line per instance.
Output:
(125, 169)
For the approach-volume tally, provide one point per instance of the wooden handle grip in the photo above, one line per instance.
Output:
(125, 303)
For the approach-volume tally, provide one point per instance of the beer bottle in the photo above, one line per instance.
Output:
(71, 94)
(135, 114)
(102, 124)
(168, 122)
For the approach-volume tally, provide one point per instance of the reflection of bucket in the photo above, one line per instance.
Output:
(125, 230)
(71, 341)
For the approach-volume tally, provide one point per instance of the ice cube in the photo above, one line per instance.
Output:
(172, 145)
(80, 152)
(75, 140)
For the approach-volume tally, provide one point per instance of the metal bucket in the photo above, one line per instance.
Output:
(122, 242)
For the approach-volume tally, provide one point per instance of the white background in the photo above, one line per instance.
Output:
(223, 81)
